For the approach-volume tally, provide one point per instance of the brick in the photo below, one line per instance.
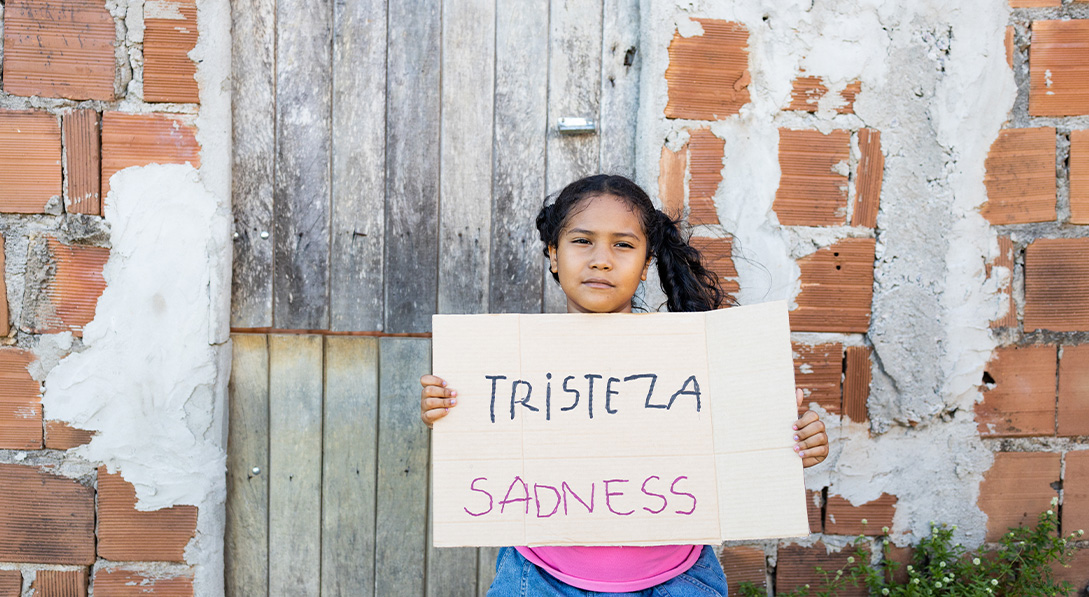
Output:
(672, 167)
(1073, 417)
(126, 534)
(1058, 71)
(705, 153)
(59, 48)
(813, 184)
(84, 162)
(744, 564)
(1034, 3)
(856, 383)
(45, 518)
(1017, 488)
(20, 402)
(170, 33)
(1057, 285)
(818, 371)
(843, 518)
(1076, 571)
(1009, 41)
(814, 505)
(871, 173)
(71, 288)
(1079, 177)
(30, 160)
(1021, 399)
(717, 255)
(836, 288)
(807, 92)
(5, 322)
(61, 436)
(142, 139)
(902, 556)
(1075, 512)
(1005, 260)
(119, 582)
(61, 583)
(11, 583)
(708, 76)
(797, 566)
(1020, 177)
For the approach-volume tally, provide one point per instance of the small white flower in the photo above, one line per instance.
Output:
(994, 581)
(850, 559)
(885, 530)
(1054, 501)
(1081, 532)
(910, 568)
(915, 580)
(1050, 512)
(937, 585)
(941, 564)
(975, 561)
(864, 521)
(884, 591)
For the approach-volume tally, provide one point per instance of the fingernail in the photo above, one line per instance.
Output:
(801, 454)
(454, 401)
(797, 449)
(444, 384)
(446, 409)
(795, 438)
(453, 393)
(795, 428)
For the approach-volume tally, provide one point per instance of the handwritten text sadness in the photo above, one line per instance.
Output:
(620, 497)
(573, 390)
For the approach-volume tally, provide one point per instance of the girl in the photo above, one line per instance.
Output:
(600, 236)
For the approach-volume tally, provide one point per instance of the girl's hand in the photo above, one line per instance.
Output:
(435, 399)
(812, 441)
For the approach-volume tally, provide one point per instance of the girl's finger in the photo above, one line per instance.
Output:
(809, 430)
(430, 416)
(438, 392)
(432, 380)
(814, 456)
(430, 404)
(799, 395)
(815, 441)
(808, 418)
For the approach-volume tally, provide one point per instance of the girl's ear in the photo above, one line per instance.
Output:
(553, 260)
(646, 266)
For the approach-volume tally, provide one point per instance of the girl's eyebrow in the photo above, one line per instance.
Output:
(591, 232)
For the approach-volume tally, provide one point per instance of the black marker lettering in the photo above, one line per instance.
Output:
(524, 401)
(573, 391)
(548, 397)
(590, 392)
(684, 390)
(609, 393)
(650, 391)
(494, 378)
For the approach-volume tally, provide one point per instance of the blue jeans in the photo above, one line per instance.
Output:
(517, 576)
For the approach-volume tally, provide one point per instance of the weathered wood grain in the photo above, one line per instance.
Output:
(247, 448)
(302, 182)
(295, 413)
(574, 89)
(620, 67)
(485, 569)
(412, 165)
(253, 109)
(359, 165)
(521, 122)
(349, 458)
(465, 186)
(401, 533)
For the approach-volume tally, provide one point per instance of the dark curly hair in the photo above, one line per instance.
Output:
(688, 284)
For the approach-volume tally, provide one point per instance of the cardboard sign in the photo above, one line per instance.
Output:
(616, 429)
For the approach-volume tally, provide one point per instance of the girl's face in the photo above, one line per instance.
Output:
(601, 256)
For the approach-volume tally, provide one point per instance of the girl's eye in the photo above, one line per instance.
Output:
(581, 241)
(625, 245)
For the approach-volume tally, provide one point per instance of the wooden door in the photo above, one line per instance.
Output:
(389, 159)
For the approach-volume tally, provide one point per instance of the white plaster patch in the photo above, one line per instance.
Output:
(148, 368)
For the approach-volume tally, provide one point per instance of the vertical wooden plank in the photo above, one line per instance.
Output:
(401, 528)
(253, 108)
(359, 165)
(574, 89)
(485, 569)
(521, 121)
(412, 165)
(295, 413)
(620, 67)
(465, 187)
(303, 144)
(349, 464)
(247, 468)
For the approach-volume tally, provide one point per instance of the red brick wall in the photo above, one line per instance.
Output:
(57, 152)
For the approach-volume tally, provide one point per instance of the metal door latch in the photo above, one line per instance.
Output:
(570, 125)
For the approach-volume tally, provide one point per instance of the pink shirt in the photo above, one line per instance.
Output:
(614, 569)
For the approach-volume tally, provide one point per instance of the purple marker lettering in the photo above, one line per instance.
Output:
(491, 500)
(509, 500)
(673, 490)
(537, 497)
(567, 488)
(608, 494)
(685, 391)
(657, 495)
(609, 393)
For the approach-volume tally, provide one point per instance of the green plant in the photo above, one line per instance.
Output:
(1020, 566)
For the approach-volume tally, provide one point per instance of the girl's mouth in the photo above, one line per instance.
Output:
(598, 283)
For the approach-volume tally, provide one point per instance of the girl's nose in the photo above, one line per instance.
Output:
(601, 260)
